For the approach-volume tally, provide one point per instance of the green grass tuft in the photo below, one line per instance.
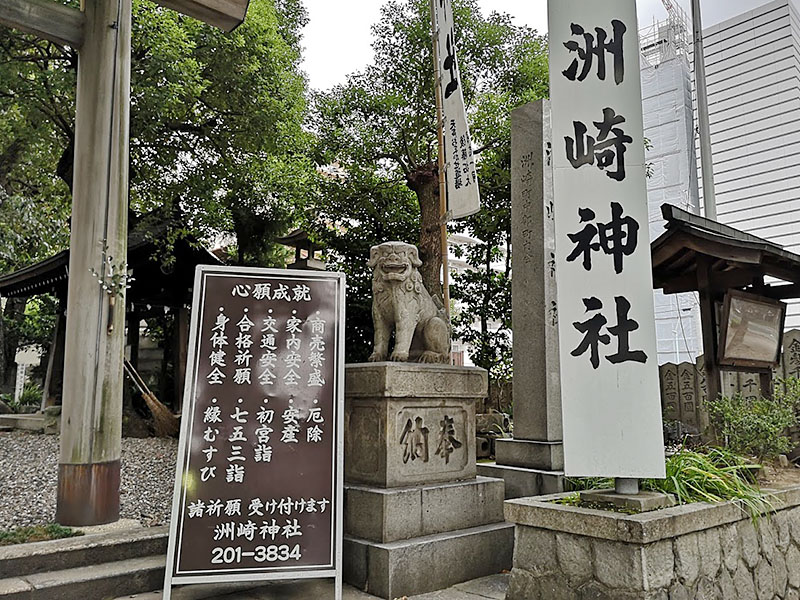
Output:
(708, 475)
(713, 475)
(36, 533)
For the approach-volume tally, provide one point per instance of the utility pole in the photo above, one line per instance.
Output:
(706, 160)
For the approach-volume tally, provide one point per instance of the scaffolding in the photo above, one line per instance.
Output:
(664, 40)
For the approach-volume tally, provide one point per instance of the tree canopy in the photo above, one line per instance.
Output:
(217, 123)
(217, 144)
(217, 137)
(380, 130)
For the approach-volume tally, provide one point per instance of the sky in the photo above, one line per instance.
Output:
(337, 40)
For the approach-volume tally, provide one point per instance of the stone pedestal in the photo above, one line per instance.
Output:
(693, 552)
(417, 519)
(533, 462)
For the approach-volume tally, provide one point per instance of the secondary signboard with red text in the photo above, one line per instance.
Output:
(609, 384)
(258, 492)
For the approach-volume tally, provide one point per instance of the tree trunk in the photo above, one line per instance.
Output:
(66, 164)
(425, 183)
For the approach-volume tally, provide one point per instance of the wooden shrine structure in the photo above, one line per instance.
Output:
(91, 434)
(156, 287)
(700, 255)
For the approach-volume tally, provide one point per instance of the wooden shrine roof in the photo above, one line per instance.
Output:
(738, 259)
(152, 285)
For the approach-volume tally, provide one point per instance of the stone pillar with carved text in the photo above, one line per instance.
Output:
(417, 519)
(532, 463)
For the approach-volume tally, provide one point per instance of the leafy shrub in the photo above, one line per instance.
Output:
(31, 395)
(754, 425)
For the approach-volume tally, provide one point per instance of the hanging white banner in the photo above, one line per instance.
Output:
(609, 364)
(463, 196)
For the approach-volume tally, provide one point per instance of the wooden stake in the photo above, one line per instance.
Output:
(442, 166)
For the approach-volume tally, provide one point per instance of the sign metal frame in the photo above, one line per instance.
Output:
(184, 446)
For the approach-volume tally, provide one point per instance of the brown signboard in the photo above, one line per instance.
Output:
(258, 492)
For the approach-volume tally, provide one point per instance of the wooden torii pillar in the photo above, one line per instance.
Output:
(91, 421)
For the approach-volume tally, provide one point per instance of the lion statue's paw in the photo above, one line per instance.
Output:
(400, 356)
(432, 357)
(376, 357)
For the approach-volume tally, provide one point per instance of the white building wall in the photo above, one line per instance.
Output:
(753, 75)
(668, 124)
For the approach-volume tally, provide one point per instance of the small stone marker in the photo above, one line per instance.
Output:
(25, 358)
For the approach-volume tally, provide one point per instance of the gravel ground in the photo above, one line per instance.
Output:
(29, 474)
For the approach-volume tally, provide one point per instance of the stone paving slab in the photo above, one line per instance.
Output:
(487, 588)
(494, 586)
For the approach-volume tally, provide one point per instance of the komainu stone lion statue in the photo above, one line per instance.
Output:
(400, 301)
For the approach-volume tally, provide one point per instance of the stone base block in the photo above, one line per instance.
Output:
(389, 515)
(547, 456)
(410, 424)
(522, 483)
(429, 563)
(641, 502)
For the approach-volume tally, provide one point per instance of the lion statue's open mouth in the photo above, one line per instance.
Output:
(398, 271)
(402, 303)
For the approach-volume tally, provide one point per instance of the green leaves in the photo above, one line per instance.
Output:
(27, 232)
(216, 123)
(713, 475)
(379, 129)
(754, 425)
(707, 475)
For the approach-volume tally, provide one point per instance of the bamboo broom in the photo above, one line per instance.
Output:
(165, 422)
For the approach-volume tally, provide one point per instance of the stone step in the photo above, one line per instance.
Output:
(58, 555)
(391, 514)
(31, 422)
(291, 590)
(93, 582)
(429, 563)
(523, 483)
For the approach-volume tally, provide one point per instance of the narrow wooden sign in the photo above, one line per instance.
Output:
(259, 479)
